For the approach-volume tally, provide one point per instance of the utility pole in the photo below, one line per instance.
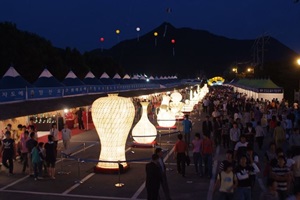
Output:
(259, 50)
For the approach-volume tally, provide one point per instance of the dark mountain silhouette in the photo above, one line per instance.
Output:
(194, 53)
(198, 52)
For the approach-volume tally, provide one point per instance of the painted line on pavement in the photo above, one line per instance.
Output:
(212, 179)
(67, 195)
(21, 179)
(141, 188)
(13, 183)
(84, 179)
(77, 184)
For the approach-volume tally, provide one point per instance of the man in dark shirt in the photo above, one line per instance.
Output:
(243, 176)
(207, 126)
(153, 178)
(8, 150)
(164, 181)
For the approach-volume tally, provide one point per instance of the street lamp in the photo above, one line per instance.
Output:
(298, 61)
(235, 70)
(250, 70)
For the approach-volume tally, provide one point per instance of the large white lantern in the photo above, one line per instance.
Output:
(113, 117)
(165, 118)
(176, 104)
(144, 131)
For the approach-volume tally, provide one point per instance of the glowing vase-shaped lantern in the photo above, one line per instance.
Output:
(144, 128)
(176, 104)
(113, 117)
(165, 118)
(165, 100)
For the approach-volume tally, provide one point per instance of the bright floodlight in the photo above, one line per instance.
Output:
(298, 61)
(113, 117)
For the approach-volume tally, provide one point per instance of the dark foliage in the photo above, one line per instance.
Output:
(195, 53)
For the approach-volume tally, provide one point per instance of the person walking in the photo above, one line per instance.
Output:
(8, 150)
(66, 136)
(153, 178)
(54, 133)
(37, 161)
(80, 119)
(207, 126)
(30, 144)
(164, 180)
(234, 134)
(243, 176)
(180, 153)
(187, 128)
(207, 152)
(24, 150)
(197, 157)
(259, 135)
(227, 182)
(50, 149)
(279, 135)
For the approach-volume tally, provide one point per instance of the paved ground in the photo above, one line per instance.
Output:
(102, 186)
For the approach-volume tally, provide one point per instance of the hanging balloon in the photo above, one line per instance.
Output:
(138, 29)
(102, 40)
(173, 42)
(155, 39)
(118, 33)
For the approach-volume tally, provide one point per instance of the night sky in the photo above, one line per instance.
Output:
(80, 23)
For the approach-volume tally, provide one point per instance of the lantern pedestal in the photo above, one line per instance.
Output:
(166, 128)
(141, 145)
(100, 170)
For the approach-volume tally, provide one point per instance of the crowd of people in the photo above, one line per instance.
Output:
(261, 140)
(38, 159)
(244, 127)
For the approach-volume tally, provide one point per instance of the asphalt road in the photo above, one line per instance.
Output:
(77, 180)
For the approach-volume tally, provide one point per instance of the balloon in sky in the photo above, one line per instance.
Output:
(173, 41)
(102, 40)
(118, 33)
(138, 29)
(155, 38)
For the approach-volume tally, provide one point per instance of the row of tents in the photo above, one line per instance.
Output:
(13, 87)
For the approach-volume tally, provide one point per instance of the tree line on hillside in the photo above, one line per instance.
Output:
(30, 54)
